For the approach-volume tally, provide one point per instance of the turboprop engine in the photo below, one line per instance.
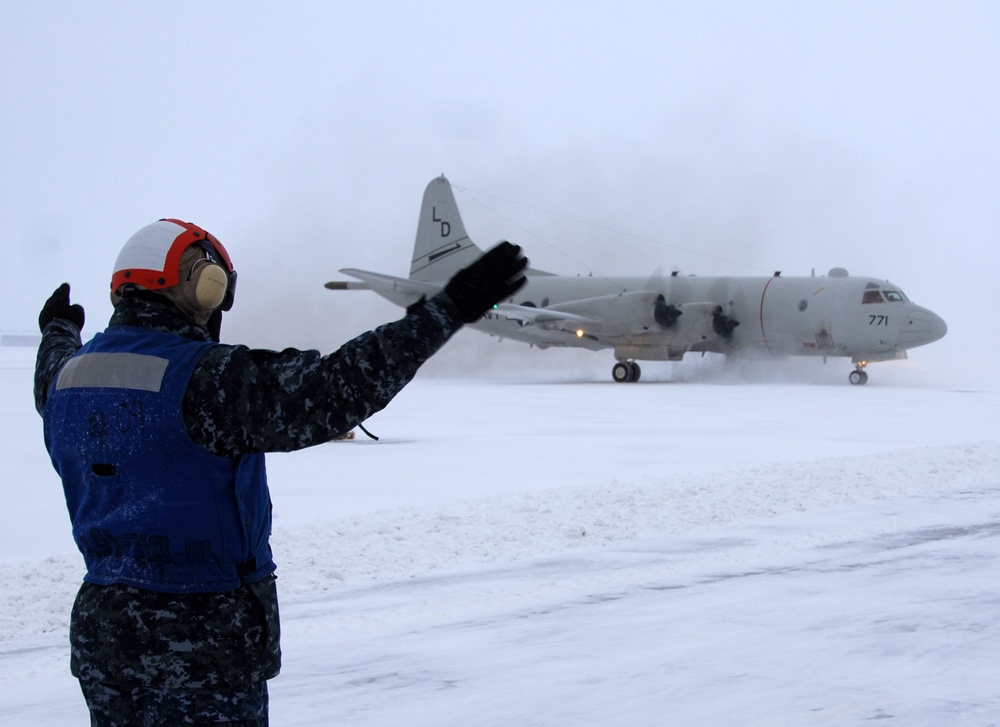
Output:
(641, 316)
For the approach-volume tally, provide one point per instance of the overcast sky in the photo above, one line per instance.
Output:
(717, 137)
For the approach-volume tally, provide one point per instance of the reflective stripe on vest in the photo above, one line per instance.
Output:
(113, 371)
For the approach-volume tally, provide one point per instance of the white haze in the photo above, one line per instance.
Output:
(716, 137)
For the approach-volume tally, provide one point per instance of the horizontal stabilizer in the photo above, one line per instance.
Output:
(401, 291)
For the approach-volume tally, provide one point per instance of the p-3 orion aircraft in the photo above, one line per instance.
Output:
(661, 318)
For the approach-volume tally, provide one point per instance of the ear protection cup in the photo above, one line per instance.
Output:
(210, 285)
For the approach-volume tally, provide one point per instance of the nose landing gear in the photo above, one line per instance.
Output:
(626, 372)
(859, 376)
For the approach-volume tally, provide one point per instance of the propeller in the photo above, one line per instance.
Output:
(665, 314)
(722, 324)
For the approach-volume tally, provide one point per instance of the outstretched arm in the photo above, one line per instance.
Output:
(60, 324)
(242, 400)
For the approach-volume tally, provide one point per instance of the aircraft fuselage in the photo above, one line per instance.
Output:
(831, 315)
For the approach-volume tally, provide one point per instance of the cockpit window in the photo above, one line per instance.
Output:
(872, 296)
(895, 296)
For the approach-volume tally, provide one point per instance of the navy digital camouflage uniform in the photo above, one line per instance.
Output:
(206, 657)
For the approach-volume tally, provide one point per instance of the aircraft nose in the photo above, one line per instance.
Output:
(922, 326)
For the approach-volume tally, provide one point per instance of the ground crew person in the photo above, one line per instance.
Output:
(158, 432)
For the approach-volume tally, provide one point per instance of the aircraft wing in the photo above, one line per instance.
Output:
(401, 291)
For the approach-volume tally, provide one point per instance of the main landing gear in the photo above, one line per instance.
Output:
(626, 372)
(859, 376)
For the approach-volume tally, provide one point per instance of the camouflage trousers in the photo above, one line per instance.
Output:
(150, 658)
(116, 706)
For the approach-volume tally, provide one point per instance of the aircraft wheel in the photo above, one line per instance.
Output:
(621, 372)
(634, 372)
(858, 378)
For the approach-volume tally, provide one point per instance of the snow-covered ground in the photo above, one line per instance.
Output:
(543, 549)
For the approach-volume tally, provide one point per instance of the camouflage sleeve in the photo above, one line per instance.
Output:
(243, 400)
(60, 340)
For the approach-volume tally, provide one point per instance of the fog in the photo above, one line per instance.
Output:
(717, 138)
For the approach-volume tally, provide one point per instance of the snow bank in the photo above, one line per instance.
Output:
(394, 544)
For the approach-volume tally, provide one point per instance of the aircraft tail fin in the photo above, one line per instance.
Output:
(442, 247)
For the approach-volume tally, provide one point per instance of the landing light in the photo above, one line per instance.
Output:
(579, 333)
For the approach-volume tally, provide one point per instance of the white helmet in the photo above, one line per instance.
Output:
(151, 259)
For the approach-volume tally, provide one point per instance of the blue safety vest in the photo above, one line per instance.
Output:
(149, 507)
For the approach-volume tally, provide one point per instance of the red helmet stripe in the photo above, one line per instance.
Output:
(151, 258)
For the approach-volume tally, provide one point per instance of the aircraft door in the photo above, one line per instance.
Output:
(795, 317)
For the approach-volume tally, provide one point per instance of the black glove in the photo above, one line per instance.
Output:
(214, 324)
(496, 275)
(57, 306)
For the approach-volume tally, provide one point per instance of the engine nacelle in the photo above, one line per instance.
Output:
(698, 323)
